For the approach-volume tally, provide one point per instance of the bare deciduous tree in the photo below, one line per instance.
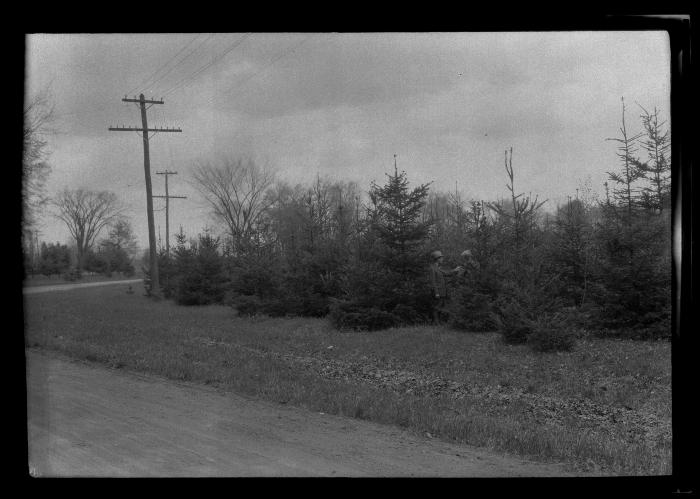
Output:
(522, 212)
(38, 115)
(235, 190)
(86, 213)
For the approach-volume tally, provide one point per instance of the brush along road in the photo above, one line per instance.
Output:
(89, 420)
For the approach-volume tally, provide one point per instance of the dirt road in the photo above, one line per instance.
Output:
(88, 420)
(67, 287)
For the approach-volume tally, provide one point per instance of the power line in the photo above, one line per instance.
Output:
(282, 55)
(164, 65)
(185, 81)
(195, 49)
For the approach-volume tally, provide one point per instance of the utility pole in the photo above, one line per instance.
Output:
(153, 254)
(167, 208)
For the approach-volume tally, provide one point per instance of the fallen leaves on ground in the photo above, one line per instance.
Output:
(633, 425)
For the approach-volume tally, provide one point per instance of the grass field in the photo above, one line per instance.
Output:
(605, 407)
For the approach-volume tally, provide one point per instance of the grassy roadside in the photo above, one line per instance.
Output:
(604, 407)
(41, 280)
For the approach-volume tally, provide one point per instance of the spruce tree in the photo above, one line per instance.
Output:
(633, 274)
(657, 169)
(571, 250)
(625, 193)
(387, 272)
(201, 272)
(396, 220)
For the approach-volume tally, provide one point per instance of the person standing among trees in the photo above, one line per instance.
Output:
(438, 284)
(469, 263)
(467, 273)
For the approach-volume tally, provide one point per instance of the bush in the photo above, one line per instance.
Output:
(314, 305)
(73, 275)
(197, 294)
(408, 315)
(246, 305)
(250, 276)
(276, 307)
(651, 325)
(473, 302)
(308, 306)
(579, 317)
(513, 324)
(632, 280)
(552, 333)
(199, 276)
(197, 290)
(349, 315)
(656, 327)
(297, 304)
(54, 259)
(471, 309)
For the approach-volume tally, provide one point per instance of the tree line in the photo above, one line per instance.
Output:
(86, 214)
(361, 257)
(114, 253)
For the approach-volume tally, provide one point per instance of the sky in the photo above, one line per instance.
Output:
(341, 105)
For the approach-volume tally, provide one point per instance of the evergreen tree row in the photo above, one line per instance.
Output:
(602, 265)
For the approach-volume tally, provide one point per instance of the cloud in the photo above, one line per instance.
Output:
(343, 104)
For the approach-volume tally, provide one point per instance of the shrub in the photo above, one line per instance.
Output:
(473, 302)
(471, 309)
(252, 276)
(653, 326)
(197, 290)
(276, 307)
(552, 333)
(311, 305)
(632, 278)
(129, 270)
(349, 315)
(200, 273)
(305, 304)
(513, 324)
(73, 275)
(314, 305)
(54, 259)
(246, 305)
(579, 317)
(168, 275)
(408, 315)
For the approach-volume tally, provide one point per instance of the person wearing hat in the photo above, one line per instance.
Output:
(437, 282)
(468, 262)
